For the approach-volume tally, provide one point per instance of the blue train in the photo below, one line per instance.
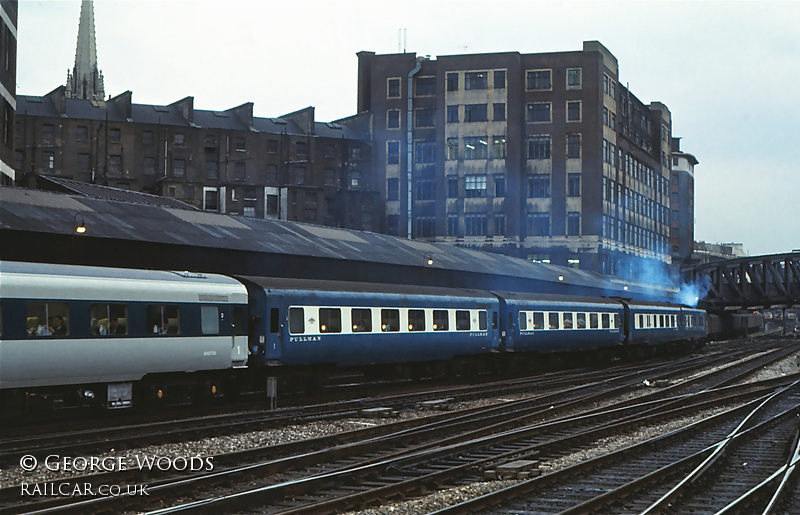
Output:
(116, 337)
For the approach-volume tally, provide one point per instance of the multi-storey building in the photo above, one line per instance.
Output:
(681, 231)
(291, 168)
(544, 156)
(8, 87)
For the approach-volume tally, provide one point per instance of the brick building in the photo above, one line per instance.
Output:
(542, 156)
(289, 168)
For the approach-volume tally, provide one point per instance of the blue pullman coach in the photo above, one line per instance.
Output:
(304, 322)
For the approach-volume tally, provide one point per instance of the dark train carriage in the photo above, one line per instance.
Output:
(558, 323)
(693, 324)
(306, 322)
(652, 323)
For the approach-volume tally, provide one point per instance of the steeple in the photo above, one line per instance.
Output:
(86, 80)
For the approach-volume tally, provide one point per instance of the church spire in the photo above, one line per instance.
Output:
(86, 80)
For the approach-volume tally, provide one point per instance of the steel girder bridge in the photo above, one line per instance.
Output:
(752, 282)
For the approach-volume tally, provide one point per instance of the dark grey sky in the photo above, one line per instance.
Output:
(728, 71)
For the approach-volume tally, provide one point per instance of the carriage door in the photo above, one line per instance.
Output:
(239, 337)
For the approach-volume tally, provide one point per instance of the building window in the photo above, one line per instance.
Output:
(48, 132)
(452, 225)
(452, 187)
(475, 80)
(330, 150)
(573, 146)
(212, 169)
(538, 224)
(425, 86)
(240, 171)
(539, 112)
(573, 223)
(300, 148)
(147, 138)
(355, 153)
(83, 162)
(539, 79)
(178, 138)
(475, 186)
(355, 179)
(452, 81)
(476, 147)
(271, 174)
(299, 173)
(210, 200)
(452, 114)
(499, 147)
(424, 190)
(475, 113)
(539, 147)
(573, 185)
(425, 117)
(500, 79)
(178, 167)
(424, 227)
(393, 119)
(499, 112)
(475, 225)
(452, 149)
(499, 186)
(211, 142)
(424, 151)
(573, 78)
(609, 86)
(329, 177)
(272, 146)
(539, 186)
(574, 111)
(188, 192)
(393, 189)
(393, 87)
(499, 225)
(393, 152)
(81, 133)
(149, 165)
(240, 144)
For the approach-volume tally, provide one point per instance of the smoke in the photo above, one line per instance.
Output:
(649, 272)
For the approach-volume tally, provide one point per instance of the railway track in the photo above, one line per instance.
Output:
(454, 448)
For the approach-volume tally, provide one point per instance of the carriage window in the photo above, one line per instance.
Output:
(163, 319)
(660, 320)
(440, 322)
(274, 320)
(538, 320)
(567, 320)
(616, 321)
(462, 320)
(606, 319)
(593, 318)
(483, 321)
(362, 320)
(390, 320)
(580, 320)
(109, 319)
(330, 320)
(297, 323)
(647, 319)
(640, 320)
(494, 322)
(209, 319)
(553, 319)
(47, 319)
(523, 321)
(416, 320)
(239, 326)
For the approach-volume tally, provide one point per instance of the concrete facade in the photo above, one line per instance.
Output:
(682, 205)
(541, 156)
(8, 87)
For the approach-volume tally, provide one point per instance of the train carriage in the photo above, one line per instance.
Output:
(693, 324)
(652, 323)
(559, 323)
(95, 332)
(303, 322)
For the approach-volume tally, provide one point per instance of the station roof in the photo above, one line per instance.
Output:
(117, 227)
